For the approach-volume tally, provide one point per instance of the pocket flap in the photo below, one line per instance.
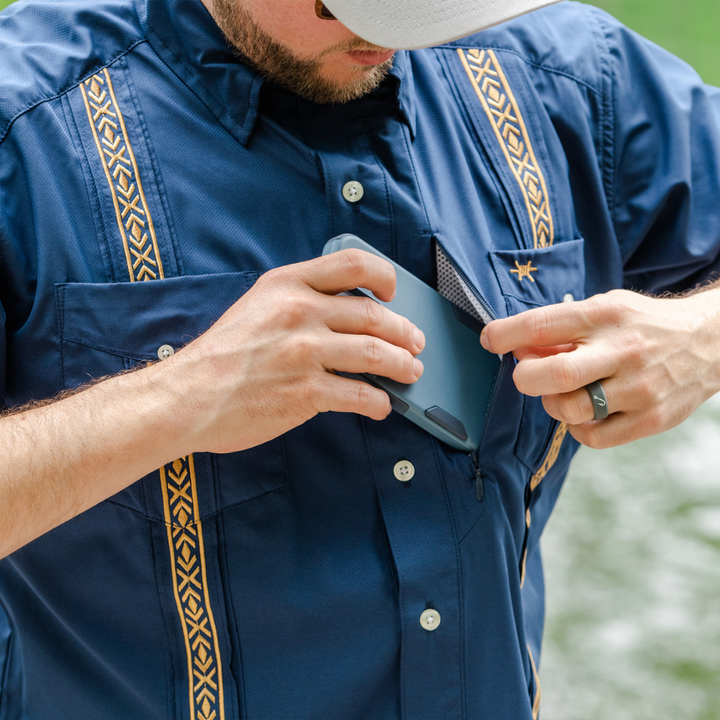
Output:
(540, 277)
(132, 320)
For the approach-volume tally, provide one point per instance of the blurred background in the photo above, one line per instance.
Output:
(633, 551)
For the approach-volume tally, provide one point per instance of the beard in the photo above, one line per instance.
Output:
(276, 62)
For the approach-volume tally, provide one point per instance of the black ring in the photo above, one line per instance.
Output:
(599, 400)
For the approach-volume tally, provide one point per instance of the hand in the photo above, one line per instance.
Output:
(658, 360)
(268, 365)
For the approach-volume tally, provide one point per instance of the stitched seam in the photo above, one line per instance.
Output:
(538, 66)
(94, 196)
(60, 94)
(607, 159)
(191, 71)
(109, 351)
(159, 184)
(388, 198)
(458, 560)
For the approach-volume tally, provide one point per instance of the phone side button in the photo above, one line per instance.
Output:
(447, 421)
(397, 404)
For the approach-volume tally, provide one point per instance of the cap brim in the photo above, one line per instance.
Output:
(412, 24)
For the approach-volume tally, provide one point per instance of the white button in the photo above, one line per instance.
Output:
(165, 351)
(404, 470)
(353, 191)
(567, 297)
(430, 620)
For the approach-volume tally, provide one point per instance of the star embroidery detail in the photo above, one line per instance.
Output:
(523, 271)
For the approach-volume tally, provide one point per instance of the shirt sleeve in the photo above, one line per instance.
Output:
(665, 185)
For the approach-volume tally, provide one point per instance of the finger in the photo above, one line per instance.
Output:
(552, 325)
(576, 408)
(564, 372)
(347, 270)
(364, 316)
(339, 394)
(521, 353)
(618, 429)
(367, 354)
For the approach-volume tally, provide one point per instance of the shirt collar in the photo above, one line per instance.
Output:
(186, 37)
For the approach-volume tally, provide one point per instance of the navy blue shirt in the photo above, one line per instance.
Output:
(147, 178)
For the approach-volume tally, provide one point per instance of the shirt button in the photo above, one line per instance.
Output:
(567, 297)
(430, 620)
(404, 470)
(353, 191)
(165, 351)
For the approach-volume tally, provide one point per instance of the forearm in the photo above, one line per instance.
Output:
(63, 458)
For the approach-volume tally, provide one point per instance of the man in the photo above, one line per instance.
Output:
(169, 174)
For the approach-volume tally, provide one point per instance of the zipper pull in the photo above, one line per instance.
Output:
(479, 485)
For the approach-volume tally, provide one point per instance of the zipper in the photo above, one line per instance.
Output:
(479, 485)
(482, 307)
(488, 313)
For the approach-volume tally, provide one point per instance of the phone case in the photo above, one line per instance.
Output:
(451, 398)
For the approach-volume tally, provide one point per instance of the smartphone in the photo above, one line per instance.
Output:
(451, 399)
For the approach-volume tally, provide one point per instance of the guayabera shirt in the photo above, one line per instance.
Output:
(147, 178)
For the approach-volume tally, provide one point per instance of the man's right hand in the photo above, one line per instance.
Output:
(268, 364)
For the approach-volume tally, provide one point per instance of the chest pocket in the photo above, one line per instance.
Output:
(106, 328)
(536, 278)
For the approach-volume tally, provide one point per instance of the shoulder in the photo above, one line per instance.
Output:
(49, 46)
(568, 38)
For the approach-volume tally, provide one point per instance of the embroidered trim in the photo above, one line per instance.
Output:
(187, 557)
(538, 687)
(551, 457)
(523, 271)
(498, 101)
(118, 161)
(550, 460)
(178, 482)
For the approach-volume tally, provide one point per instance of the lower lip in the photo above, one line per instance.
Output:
(364, 57)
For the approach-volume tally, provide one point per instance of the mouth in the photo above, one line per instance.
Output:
(370, 57)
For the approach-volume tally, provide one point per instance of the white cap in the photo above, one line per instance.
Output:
(411, 24)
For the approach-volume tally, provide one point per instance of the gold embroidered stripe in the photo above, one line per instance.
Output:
(551, 457)
(538, 687)
(550, 460)
(118, 161)
(498, 101)
(178, 482)
(187, 556)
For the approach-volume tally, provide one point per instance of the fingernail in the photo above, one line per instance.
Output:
(417, 368)
(419, 338)
(484, 341)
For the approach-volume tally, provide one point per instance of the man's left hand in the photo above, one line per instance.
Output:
(658, 359)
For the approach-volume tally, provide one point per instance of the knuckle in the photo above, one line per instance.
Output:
(538, 325)
(363, 395)
(594, 438)
(654, 420)
(303, 349)
(354, 263)
(373, 352)
(571, 409)
(564, 373)
(373, 312)
(273, 277)
(644, 390)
